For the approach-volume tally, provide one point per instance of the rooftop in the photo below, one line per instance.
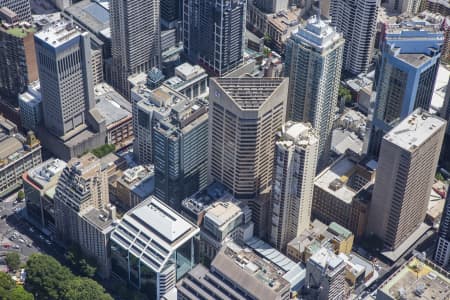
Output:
(414, 59)
(152, 227)
(201, 200)
(100, 218)
(249, 92)
(222, 212)
(318, 33)
(418, 279)
(46, 171)
(300, 134)
(414, 130)
(58, 33)
(85, 166)
(335, 179)
(90, 14)
(326, 259)
(110, 104)
(19, 30)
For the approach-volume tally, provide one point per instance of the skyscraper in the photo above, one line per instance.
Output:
(313, 65)
(213, 33)
(135, 40)
(406, 167)
(442, 253)
(410, 60)
(293, 182)
(180, 152)
(17, 56)
(244, 116)
(357, 21)
(21, 7)
(64, 62)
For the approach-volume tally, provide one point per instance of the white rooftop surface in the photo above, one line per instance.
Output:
(45, 171)
(271, 254)
(221, 213)
(29, 98)
(325, 257)
(440, 87)
(58, 33)
(318, 33)
(414, 130)
(341, 168)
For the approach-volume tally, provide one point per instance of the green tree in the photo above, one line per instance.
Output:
(6, 282)
(439, 176)
(86, 269)
(12, 260)
(20, 195)
(103, 150)
(83, 289)
(19, 293)
(46, 276)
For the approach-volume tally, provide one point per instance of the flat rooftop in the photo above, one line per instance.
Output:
(414, 59)
(43, 173)
(300, 134)
(99, 218)
(414, 130)
(58, 33)
(418, 280)
(249, 92)
(201, 200)
(90, 14)
(153, 227)
(86, 166)
(222, 212)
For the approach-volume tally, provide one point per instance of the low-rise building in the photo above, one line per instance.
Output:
(342, 193)
(235, 273)
(417, 279)
(17, 155)
(189, 80)
(361, 88)
(153, 247)
(37, 183)
(135, 185)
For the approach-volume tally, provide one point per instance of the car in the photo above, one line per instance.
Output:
(4, 217)
(21, 240)
(6, 246)
(29, 245)
(12, 238)
(31, 229)
(48, 242)
(41, 236)
(15, 202)
(16, 247)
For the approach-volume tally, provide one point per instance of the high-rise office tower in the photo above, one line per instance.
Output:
(293, 182)
(21, 7)
(213, 33)
(410, 59)
(17, 55)
(64, 62)
(313, 65)
(406, 167)
(135, 40)
(357, 21)
(244, 117)
(325, 276)
(170, 11)
(445, 114)
(442, 252)
(180, 152)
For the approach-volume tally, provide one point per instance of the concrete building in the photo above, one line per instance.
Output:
(17, 154)
(325, 276)
(153, 247)
(409, 64)
(333, 237)
(357, 20)
(37, 183)
(416, 279)
(406, 168)
(342, 193)
(64, 60)
(189, 80)
(437, 6)
(442, 253)
(149, 106)
(213, 34)
(83, 215)
(134, 186)
(404, 6)
(235, 274)
(18, 65)
(313, 65)
(135, 40)
(30, 104)
(293, 182)
(180, 152)
(244, 116)
(62, 4)
(21, 7)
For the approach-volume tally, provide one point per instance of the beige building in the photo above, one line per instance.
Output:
(408, 159)
(244, 116)
(295, 163)
(83, 214)
(342, 193)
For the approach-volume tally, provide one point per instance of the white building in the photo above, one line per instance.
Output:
(293, 182)
(30, 105)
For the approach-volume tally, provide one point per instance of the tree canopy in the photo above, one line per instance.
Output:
(9, 290)
(12, 260)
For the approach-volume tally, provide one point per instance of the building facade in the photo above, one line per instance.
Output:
(409, 64)
(293, 182)
(442, 252)
(180, 152)
(213, 33)
(244, 116)
(135, 40)
(21, 7)
(313, 65)
(30, 104)
(406, 168)
(64, 60)
(357, 20)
